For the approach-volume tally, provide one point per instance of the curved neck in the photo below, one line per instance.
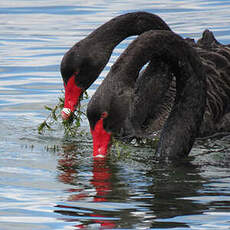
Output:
(121, 27)
(183, 123)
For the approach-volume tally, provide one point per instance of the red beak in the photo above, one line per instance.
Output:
(101, 140)
(72, 94)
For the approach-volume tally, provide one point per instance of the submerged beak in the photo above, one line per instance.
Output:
(101, 140)
(72, 94)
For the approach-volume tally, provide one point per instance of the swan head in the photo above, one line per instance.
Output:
(108, 115)
(80, 67)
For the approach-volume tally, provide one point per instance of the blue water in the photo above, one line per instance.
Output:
(51, 182)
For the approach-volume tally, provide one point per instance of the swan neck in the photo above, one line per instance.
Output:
(116, 30)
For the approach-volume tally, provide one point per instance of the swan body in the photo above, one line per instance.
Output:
(215, 58)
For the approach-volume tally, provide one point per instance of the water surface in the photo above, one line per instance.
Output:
(51, 182)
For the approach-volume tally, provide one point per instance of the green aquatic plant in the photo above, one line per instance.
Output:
(120, 148)
(72, 125)
(124, 148)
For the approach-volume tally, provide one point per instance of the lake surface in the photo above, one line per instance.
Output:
(50, 181)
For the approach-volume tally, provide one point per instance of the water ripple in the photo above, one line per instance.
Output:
(50, 182)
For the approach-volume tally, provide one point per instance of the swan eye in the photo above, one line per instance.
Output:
(104, 115)
(76, 73)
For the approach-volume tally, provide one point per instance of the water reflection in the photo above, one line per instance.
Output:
(101, 186)
(172, 185)
(113, 193)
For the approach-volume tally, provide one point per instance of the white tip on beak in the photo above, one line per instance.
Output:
(65, 113)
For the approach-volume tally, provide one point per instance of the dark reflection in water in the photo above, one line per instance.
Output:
(100, 180)
(172, 184)
(126, 193)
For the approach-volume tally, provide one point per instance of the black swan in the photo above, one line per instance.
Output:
(83, 63)
(119, 106)
(124, 99)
